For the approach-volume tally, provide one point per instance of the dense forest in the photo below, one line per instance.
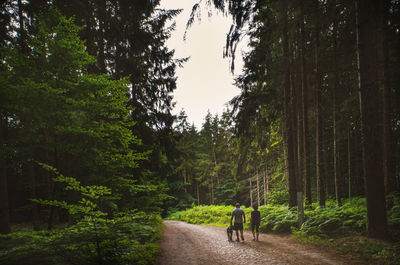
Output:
(92, 156)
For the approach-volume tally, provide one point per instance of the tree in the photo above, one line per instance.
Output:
(63, 116)
(368, 14)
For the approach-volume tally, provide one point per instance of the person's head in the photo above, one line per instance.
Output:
(237, 205)
(255, 207)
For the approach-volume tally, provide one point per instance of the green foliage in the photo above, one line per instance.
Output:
(350, 217)
(394, 215)
(370, 250)
(128, 237)
(217, 215)
(54, 111)
(332, 220)
(91, 197)
(277, 218)
(278, 196)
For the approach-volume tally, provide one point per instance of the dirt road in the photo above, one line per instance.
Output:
(187, 244)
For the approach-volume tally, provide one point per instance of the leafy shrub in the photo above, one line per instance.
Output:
(331, 220)
(278, 197)
(207, 215)
(131, 238)
(127, 238)
(350, 217)
(394, 216)
(277, 218)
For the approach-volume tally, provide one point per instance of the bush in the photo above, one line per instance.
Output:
(95, 238)
(334, 219)
(128, 239)
(394, 215)
(277, 218)
(207, 215)
(330, 220)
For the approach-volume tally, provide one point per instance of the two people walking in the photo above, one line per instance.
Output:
(239, 218)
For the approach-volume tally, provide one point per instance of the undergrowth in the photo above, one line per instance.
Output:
(129, 239)
(126, 237)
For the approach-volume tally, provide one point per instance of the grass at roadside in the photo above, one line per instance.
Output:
(371, 251)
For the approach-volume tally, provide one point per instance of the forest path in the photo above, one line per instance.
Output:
(187, 244)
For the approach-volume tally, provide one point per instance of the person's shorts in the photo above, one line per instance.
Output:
(255, 227)
(238, 226)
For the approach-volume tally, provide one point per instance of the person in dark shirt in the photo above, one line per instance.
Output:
(255, 220)
(240, 219)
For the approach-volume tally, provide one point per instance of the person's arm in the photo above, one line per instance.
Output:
(244, 218)
(231, 219)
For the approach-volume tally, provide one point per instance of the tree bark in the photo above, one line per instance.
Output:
(266, 186)
(389, 164)
(35, 209)
(319, 128)
(349, 167)
(367, 31)
(336, 145)
(251, 191)
(212, 190)
(258, 189)
(304, 110)
(4, 207)
(198, 194)
(300, 131)
(288, 130)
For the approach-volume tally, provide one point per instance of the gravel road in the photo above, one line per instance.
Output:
(187, 244)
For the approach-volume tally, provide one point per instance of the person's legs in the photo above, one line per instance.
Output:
(257, 227)
(252, 230)
(236, 228)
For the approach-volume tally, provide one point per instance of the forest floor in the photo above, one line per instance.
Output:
(188, 244)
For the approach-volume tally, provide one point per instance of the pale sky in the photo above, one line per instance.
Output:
(205, 82)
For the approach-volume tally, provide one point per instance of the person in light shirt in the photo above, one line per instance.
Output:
(240, 219)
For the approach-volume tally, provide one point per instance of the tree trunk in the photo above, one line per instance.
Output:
(358, 160)
(336, 147)
(198, 194)
(251, 191)
(319, 129)
(215, 164)
(258, 189)
(184, 179)
(212, 190)
(35, 209)
(288, 132)
(389, 165)
(349, 168)
(4, 207)
(304, 110)
(299, 133)
(266, 184)
(367, 32)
